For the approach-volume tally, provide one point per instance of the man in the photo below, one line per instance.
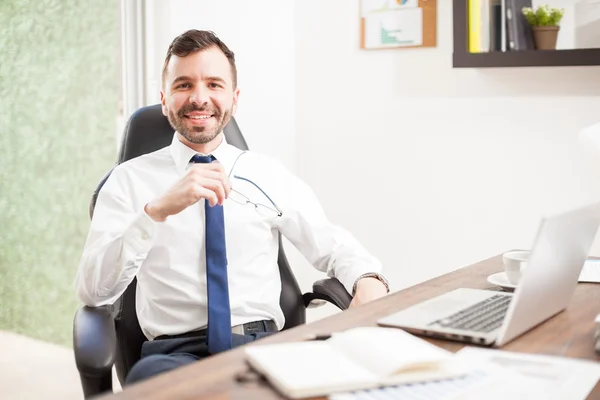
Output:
(197, 223)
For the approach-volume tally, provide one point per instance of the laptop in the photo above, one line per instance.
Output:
(493, 318)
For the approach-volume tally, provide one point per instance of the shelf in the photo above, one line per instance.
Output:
(529, 58)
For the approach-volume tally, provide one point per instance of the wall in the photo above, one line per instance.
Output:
(580, 25)
(58, 96)
(587, 17)
(261, 35)
(432, 168)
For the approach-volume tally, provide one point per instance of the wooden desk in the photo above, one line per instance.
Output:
(569, 333)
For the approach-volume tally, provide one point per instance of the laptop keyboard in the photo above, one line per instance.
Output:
(484, 316)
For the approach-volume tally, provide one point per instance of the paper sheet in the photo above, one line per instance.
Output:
(500, 375)
(378, 6)
(440, 390)
(392, 23)
(590, 272)
(533, 376)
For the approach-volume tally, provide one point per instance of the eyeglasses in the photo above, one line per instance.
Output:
(264, 210)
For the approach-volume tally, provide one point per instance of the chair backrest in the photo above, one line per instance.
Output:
(146, 131)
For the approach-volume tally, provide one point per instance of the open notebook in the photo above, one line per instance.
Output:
(359, 358)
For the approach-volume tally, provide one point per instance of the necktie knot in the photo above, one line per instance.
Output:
(198, 159)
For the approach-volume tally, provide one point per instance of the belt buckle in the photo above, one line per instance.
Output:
(238, 329)
(253, 327)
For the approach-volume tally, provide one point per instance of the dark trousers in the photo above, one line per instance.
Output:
(164, 355)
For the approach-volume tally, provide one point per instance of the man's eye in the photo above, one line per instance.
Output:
(183, 86)
(214, 85)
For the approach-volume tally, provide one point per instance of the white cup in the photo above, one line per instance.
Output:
(514, 263)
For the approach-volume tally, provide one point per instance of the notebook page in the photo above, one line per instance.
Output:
(387, 351)
(308, 367)
(440, 390)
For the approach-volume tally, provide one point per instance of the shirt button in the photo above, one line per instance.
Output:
(145, 235)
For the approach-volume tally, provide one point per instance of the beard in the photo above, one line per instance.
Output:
(199, 134)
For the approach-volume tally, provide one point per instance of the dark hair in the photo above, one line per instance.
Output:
(194, 40)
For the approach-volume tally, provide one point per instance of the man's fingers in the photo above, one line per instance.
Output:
(223, 179)
(206, 193)
(226, 185)
(214, 166)
(215, 185)
(205, 170)
(215, 173)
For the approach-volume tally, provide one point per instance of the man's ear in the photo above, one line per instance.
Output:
(236, 95)
(163, 102)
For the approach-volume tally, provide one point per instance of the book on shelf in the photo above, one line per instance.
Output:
(519, 33)
(498, 25)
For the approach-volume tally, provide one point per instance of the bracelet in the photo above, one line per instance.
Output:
(375, 275)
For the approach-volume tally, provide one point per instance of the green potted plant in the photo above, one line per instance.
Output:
(544, 21)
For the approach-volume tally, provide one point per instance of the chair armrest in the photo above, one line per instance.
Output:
(94, 340)
(330, 290)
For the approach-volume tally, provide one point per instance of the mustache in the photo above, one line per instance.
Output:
(188, 108)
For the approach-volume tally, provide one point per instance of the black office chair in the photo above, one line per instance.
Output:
(103, 336)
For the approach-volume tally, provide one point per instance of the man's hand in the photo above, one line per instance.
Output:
(368, 289)
(202, 181)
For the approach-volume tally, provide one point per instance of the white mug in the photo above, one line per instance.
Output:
(514, 263)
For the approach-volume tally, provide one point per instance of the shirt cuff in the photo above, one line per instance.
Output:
(375, 275)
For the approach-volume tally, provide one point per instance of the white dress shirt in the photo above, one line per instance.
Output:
(168, 257)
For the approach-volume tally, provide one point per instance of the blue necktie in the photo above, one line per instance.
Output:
(219, 313)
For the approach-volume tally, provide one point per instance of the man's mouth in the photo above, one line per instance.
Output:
(198, 116)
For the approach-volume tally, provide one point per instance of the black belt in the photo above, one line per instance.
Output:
(243, 329)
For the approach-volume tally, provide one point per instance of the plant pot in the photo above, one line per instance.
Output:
(545, 37)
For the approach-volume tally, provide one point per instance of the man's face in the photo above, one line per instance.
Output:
(198, 96)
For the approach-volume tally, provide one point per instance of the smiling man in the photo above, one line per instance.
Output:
(199, 112)
(197, 223)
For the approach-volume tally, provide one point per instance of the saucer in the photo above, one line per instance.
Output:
(501, 280)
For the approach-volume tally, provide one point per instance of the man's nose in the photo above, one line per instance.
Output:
(199, 95)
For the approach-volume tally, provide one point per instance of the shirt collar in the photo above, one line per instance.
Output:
(224, 153)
